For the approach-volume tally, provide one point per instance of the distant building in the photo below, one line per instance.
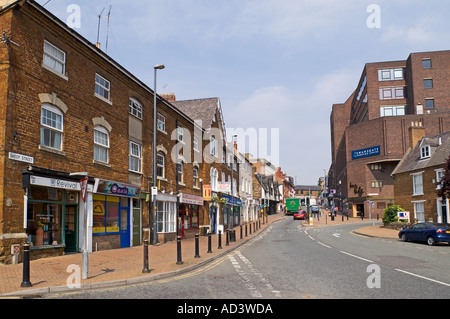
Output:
(369, 132)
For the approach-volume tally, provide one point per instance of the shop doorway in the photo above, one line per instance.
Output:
(125, 241)
(71, 228)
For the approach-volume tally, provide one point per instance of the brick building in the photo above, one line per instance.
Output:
(418, 175)
(369, 132)
(67, 107)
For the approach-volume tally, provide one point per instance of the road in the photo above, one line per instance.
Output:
(290, 261)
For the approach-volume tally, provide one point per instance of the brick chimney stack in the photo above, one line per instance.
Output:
(170, 97)
(416, 134)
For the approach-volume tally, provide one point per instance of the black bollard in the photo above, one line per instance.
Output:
(259, 223)
(220, 240)
(146, 270)
(179, 261)
(250, 226)
(246, 234)
(197, 249)
(209, 243)
(241, 233)
(228, 238)
(26, 267)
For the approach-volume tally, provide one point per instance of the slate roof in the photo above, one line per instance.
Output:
(439, 154)
(199, 109)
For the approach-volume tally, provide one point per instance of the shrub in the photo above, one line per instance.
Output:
(390, 213)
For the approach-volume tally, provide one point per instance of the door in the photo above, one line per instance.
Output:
(71, 229)
(136, 223)
(125, 241)
(213, 220)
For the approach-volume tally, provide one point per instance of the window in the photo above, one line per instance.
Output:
(161, 122)
(54, 58)
(180, 133)
(429, 103)
(428, 83)
(426, 63)
(377, 184)
(102, 87)
(214, 180)
(195, 173)
(425, 152)
(213, 146)
(391, 74)
(135, 108)
(180, 170)
(439, 177)
(392, 93)
(376, 167)
(135, 164)
(392, 110)
(166, 217)
(417, 184)
(196, 144)
(101, 144)
(52, 127)
(419, 211)
(160, 165)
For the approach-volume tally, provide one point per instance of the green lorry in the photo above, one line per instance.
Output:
(292, 205)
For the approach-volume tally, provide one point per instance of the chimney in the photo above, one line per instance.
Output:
(416, 134)
(235, 146)
(170, 97)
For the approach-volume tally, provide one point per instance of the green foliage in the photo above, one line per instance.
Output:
(390, 213)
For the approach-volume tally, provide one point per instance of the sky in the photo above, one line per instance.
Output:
(277, 66)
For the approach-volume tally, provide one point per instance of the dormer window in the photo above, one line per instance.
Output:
(425, 152)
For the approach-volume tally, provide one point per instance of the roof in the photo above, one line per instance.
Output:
(440, 152)
(307, 187)
(199, 109)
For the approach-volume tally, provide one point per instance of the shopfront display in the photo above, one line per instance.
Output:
(52, 218)
(189, 211)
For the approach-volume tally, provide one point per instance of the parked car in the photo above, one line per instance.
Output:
(301, 214)
(431, 233)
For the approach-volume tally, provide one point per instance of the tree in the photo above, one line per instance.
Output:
(444, 191)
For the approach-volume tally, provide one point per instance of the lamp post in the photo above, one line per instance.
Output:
(156, 68)
(85, 262)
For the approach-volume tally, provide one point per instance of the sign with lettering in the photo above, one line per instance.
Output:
(367, 152)
(207, 192)
(21, 158)
(191, 199)
(116, 188)
(232, 200)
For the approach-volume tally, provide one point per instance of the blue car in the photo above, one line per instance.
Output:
(431, 233)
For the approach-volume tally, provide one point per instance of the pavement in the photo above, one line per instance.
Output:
(113, 268)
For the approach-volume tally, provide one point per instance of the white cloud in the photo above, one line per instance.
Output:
(420, 33)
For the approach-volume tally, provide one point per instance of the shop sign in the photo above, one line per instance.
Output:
(225, 187)
(367, 152)
(21, 158)
(207, 192)
(116, 188)
(56, 183)
(191, 199)
(232, 200)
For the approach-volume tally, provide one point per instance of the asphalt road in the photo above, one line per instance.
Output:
(289, 261)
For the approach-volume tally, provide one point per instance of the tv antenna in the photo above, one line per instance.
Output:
(7, 39)
(98, 32)
(107, 30)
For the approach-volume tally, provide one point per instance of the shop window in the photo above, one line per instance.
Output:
(45, 215)
(106, 210)
(165, 217)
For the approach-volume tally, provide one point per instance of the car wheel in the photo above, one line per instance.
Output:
(404, 238)
(431, 241)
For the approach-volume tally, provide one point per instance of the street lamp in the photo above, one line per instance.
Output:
(156, 68)
(85, 263)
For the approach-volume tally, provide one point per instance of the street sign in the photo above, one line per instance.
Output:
(83, 186)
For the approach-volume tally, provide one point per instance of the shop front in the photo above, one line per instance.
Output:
(189, 215)
(52, 213)
(112, 209)
(231, 211)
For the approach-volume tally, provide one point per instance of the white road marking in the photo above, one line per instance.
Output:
(426, 278)
(364, 259)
